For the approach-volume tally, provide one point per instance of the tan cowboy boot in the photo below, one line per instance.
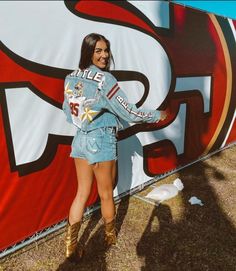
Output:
(110, 232)
(72, 250)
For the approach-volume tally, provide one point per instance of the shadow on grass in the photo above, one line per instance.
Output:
(203, 239)
(95, 251)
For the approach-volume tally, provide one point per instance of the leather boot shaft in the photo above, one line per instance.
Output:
(110, 233)
(71, 240)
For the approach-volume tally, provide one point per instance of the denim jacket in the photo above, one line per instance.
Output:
(93, 99)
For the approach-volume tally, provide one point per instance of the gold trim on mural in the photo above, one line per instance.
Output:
(228, 82)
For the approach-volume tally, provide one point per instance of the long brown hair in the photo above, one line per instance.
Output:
(87, 50)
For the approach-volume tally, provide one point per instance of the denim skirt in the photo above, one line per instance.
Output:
(95, 146)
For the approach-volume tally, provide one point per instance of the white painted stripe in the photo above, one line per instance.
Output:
(234, 117)
(232, 27)
(230, 129)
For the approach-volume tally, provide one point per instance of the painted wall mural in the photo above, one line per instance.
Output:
(166, 56)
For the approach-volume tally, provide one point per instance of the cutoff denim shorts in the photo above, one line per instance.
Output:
(95, 146)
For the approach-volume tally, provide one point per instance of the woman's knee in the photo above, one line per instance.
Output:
(82, 196)
(106, 195)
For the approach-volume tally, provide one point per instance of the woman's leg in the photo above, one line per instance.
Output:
(105, 174)
(84, 173)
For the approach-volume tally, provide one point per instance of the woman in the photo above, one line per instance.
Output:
(93, 103)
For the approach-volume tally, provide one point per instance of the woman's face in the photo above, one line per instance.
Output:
(100, 55)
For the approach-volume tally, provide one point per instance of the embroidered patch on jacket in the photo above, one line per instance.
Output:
(78, 89)
(68, 91)
(88, 114)
(113, 91)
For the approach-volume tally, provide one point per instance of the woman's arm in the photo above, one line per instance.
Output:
(118, 103)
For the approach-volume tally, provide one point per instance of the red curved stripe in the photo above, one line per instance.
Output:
(104, 9)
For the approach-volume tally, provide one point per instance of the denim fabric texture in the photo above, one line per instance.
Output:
(94, 103)
(93, 99)
(95, 146)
